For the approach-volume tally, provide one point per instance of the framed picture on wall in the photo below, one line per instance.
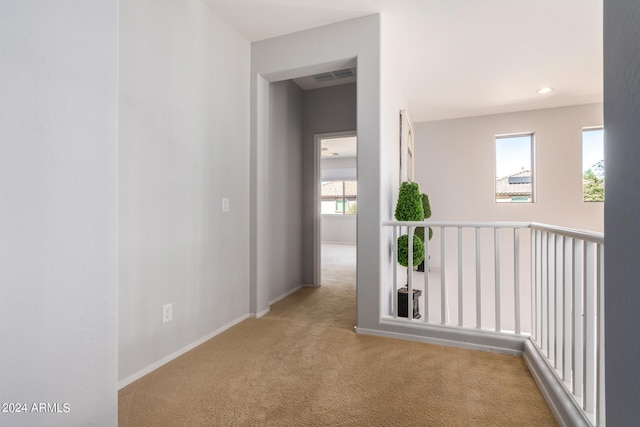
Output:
(406, 148)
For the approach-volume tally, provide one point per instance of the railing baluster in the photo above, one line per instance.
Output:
(478, 282)
(566, 306)
(552, 298)
(560, 308)
(573, 316)
(410, 275)
(548, 299)
(516, 277)
(556, 320)
(579, 308)
(496, 246)
(539, 290)
(576, 368)
(443, 290)
(426, 274)
(544, 321)
(600, 397)
(534, 302)
(394, 254)
(460, 311)
(589, 345)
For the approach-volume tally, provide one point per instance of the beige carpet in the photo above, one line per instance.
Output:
(302, 365)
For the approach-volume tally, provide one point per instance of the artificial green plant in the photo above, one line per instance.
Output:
(409, 208)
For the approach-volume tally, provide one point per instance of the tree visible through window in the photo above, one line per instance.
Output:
(514, 168)
(593, 165)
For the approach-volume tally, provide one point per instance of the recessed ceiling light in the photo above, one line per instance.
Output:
(545, 90)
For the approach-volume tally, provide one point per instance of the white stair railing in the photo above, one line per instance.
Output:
(569, 326)
(529, 280)
(482, 297)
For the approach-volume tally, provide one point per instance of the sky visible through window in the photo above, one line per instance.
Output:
(592, 148)
(513, 154)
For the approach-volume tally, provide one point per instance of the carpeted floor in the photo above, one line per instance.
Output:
(302, 365)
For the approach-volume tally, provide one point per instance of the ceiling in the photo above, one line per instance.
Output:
(461, 57)
(342, 147)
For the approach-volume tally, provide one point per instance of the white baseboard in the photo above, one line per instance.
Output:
(275, 300)
(260, 314)
(340, 243)
(283, 296)
(141, 373)
(452, 337)
(562, 405)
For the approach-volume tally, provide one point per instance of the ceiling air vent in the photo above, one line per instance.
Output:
(335, 75)
(344, 74)
(324, 77)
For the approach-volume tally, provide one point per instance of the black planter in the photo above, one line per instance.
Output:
(402, 302)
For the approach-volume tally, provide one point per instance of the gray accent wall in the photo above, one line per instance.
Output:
(58, 211)
(183, 147)
(289, 56)
(285, 189)
(326, 110)
(295, 116)
(622, 230)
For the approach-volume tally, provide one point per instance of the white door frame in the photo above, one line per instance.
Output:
(317, 183)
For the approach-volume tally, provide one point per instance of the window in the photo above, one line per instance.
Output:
(514, 168)
(593, 165)
(339, 197)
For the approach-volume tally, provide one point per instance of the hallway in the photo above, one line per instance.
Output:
(301, 364)
(339, 265)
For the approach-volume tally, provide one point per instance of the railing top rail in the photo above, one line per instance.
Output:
(589, 236)
(469, 224)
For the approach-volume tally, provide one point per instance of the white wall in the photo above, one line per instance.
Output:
(285, 190)
(393, 100)
(184, 145)
(339, 229)
(622, 156)
(326, 110)
(455, 165)
(58, 210)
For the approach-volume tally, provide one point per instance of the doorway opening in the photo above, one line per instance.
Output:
(335, 207)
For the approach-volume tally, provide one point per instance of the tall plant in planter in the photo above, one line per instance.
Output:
(409, 208)
(426, 206)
